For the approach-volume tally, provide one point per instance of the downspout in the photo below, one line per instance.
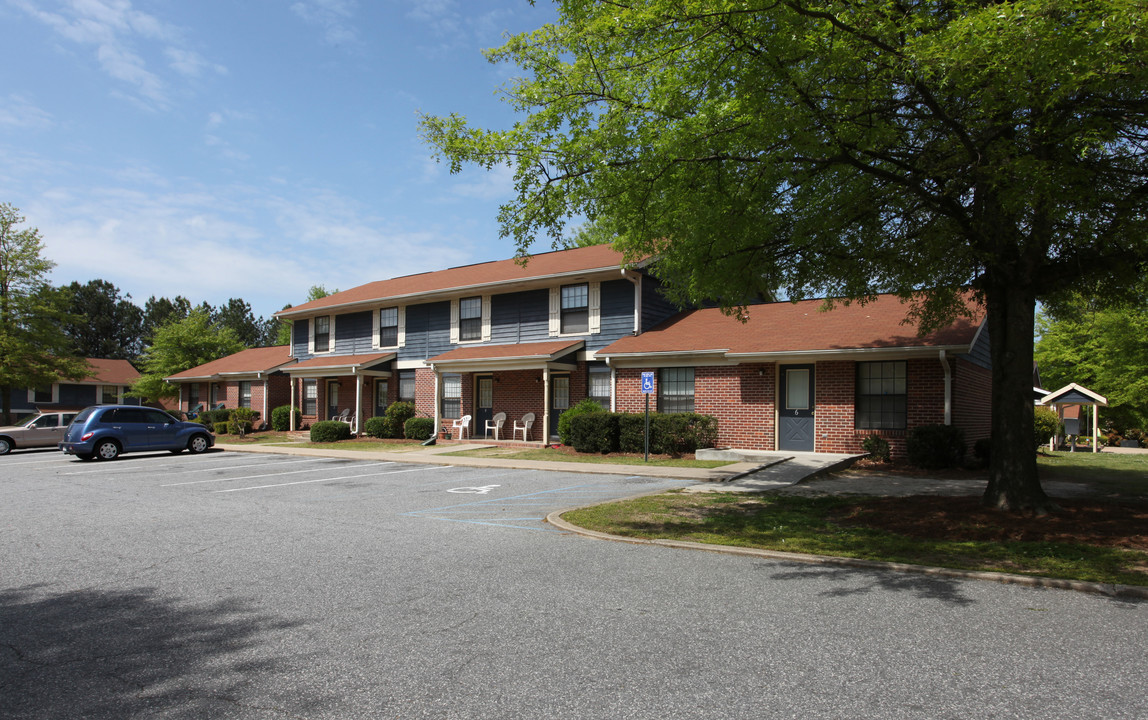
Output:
(546, 404)
(948, 389)
(266, 390)
(358, 401)
(637, 281)
(291, 412)
(613, 387)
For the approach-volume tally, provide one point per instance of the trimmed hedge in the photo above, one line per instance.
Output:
(670, 433)
(877, 447)
(395, 419)
(281, 418)
(582, 408)
(241, 421)
(220, 428)
(934, 447)
(330, 431)
(211, 417)
(418, 428)
(376, 427)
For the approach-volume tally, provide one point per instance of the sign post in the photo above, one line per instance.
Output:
(647, 390)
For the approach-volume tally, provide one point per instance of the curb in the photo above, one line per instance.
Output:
(1111, 590)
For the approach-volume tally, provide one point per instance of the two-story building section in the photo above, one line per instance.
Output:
(531, 339)
(479, 340)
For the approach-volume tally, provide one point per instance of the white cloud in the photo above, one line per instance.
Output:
(489, 185)
(17, 112)
(335, 17)
(123, 38)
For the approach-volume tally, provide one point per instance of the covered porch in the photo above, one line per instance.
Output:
(342, 387)
(528, 385)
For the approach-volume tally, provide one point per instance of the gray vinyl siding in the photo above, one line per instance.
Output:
(300, 330)
(78, 394)
(520, 317)
(353, 333)
(617, 314)
(18, 400)
(655, 307)
(981, 351)
(427, 331)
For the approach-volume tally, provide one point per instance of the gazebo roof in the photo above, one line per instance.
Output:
(1073, 394)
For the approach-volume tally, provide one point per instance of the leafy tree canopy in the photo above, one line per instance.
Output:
(107, 324)
(178, 346)
(34, 352)
(282, 328)
(843, 149)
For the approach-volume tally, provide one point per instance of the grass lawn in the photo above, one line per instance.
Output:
(266, 437)
(1102, 538)
(368, 445)
(560, 455)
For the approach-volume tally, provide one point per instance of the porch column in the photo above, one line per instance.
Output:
(358, 403)
(1095, 426)
(266, 389)
(437, 395)
(546, 405)
(291, 413)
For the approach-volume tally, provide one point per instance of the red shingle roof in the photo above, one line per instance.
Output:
(111, 372)
(340, 361)
(562, 262)
(524, 351)
(252, 360)
(794, 328)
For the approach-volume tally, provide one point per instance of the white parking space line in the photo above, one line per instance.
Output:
(199, 466)
(46, 460)
(252, 477)
(428, 468)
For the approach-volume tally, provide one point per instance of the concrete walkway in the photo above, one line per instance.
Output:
(759, 472)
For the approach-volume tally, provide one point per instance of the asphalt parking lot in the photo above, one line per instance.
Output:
(266, 586)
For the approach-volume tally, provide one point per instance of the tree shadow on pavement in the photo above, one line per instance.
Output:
(857, 581)
(130, 653)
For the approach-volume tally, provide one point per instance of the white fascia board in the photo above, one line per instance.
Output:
(197, 378)
(668, 359)
(1096, 397)
(847, 353)
(451, 292)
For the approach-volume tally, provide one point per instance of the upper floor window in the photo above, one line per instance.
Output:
(676, 390)
(470, 319)
(245, 393)
(42, 394)
(109, 394)
(389, 327)
(575, 309)
(322, 334)
(882, 396)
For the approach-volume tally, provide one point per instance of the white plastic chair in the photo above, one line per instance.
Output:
(495, 424)
(342, 417)
(462, 425)
(527, 423)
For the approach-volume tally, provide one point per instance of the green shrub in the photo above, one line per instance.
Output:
(582, 408)
(632, 432)
(376, 427)
(220, 428)
(418, 428)
(678, 433)
(877, 447)
(330, 431)
(396, 418)
(281, 418)
(983, 450)
(1046, 424)
(241, 421)
(595, 432)
(936, 446)
(211, 417)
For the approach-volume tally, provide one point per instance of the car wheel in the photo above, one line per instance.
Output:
(197, 443)
(107, 450)
(86, 456)
(5, 446)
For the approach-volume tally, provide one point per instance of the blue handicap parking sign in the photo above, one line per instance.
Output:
(647, 382)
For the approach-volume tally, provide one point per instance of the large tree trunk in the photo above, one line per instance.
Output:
(1013, 482)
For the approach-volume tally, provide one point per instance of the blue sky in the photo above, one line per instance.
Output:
(217, 149)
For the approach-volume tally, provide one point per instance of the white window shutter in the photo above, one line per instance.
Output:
(402, 325)
(595, 302)
(486, 318)
(375, 330)
(454, 321)
(555, 312)
(311, 336)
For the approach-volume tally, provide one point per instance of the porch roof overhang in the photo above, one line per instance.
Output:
(337, 365)
(526, 356)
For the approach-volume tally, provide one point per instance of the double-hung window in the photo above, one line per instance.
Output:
(598, 388)
(407, 386)
(882, 396)
(311, 397)
(244, 393)
(470, 319)
(109, 394)
(575, 309)
(389, 327)
(192, 396)
(452, 396)
(323, 334)
(676, 390)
